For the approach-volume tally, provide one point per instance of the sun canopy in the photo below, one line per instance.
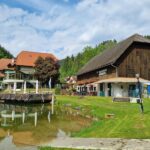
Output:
(122, 80)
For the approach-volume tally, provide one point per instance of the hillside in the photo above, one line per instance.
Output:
(4, 53)
(71, 65)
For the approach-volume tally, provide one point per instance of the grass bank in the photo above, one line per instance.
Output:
(51, 148)
(28, 90)
(128, 122)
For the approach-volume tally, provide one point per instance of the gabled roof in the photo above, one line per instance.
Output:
(4, 62)
(27, 58)
(110, 56)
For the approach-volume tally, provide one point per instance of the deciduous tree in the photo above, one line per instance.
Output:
(45, 69)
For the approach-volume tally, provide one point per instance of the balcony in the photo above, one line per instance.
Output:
(19, 76)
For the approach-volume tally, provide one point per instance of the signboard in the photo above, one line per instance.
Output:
(102, 72)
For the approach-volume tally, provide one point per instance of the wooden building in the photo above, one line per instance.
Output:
(114, 66)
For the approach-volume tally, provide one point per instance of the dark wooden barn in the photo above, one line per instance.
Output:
(128, 58)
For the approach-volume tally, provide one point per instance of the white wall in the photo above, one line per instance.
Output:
(78, 88)
(117, 91)
(106, 89)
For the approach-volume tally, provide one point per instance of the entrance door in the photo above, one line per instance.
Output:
(109, 89)
(132, 90)
(101, 90)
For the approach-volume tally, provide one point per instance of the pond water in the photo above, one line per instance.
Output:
(22, 126)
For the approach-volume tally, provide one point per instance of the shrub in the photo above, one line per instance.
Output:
(57, 90)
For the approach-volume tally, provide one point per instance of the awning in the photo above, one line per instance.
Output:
(28, 72)
(122, 80)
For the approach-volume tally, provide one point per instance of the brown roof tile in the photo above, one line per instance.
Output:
(27, 58)
(4, 62)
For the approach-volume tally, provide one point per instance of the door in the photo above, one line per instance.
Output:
(132, 90)
(101, 90)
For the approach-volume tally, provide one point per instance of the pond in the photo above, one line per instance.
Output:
(22, 126)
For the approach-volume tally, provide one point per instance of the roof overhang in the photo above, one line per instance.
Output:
(91, 84)
(122, 80)
(28, 72)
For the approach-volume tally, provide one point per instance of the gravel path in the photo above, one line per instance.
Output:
(101, 143)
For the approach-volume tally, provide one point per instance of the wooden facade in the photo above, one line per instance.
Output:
(94, 76)
(135, 59)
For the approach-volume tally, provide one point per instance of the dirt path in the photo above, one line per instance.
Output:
(101, 143)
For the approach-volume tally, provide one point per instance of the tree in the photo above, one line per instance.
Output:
(45, 69)
(147, 36)
(4, 53)
(71, 65)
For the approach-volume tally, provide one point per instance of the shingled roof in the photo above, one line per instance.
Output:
(27, 58)
(110, 56)
(4, 62)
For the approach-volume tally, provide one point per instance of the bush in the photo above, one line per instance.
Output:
(57, 90)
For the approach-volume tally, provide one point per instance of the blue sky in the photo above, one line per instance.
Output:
(65, 27)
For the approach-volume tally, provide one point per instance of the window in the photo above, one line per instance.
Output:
(101, 87)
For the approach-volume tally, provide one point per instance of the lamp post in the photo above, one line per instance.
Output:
(139, 93)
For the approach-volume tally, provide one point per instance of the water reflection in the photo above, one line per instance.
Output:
(35, 124)
(11, 113)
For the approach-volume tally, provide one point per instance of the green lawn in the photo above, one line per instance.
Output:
(128, 122)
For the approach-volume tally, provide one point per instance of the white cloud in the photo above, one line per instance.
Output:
(41, 5)
(6, 12)
(65, 30)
